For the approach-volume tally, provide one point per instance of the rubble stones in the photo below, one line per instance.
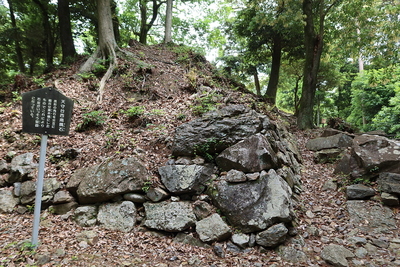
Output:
(212, 228)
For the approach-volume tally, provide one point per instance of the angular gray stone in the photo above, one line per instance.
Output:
(8, 201)
(371, 217)
(289, 176)
(103, 182)
(28, 190)
(169, 216)
(390, 199)
(23, 168)
(217, 130)
(119, 216)
(180, 179)
(253, 154)
(86, 216)
(62, 196)
(4, 166)
(335, 141)
(273, 236)
(212, 228)
(235, 176)
(360, 252)
(241, 240)
(157, 194)
(292, 255)
(202, 209)
(252, 176)
(389, 182)
(330, 185)
(64, 208)
(254, 205)
(369, 156)
(330, 155)
(359, 191)
(336, 255)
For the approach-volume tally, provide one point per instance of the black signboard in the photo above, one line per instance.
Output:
(46, 111)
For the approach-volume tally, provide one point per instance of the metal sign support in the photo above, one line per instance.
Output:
(39, 190)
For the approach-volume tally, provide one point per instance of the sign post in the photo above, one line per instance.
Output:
(45, 111)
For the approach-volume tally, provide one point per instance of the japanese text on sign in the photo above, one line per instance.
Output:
(46, 111)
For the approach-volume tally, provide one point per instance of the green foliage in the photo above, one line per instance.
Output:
(91, 119)
(208, 149)
(86, 75)
(146, 186)
(206, 102)
(134, 112)
(374, 98)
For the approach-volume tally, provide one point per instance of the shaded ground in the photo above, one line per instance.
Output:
(174, 91)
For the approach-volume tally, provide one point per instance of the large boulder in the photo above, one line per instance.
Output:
(369, 156)
(169, 216)
(105, 181)
(371, 217)
(253, 154)
(119, 216)
(254, 205)
(217, 130)
(180, 179)
(334, 141)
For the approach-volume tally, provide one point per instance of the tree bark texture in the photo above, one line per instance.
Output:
(49, 41)
(168, 22)
(275, 69)
(313, 51)
(67, 42)
(18, 49)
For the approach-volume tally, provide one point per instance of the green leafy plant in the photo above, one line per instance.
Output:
(86, 75)
(208, 149)
(31, 208)
(91, 119)
(181, 117)
(146, 186)
(39, 81)
(16, 96)
(206, 103)
(134, 112)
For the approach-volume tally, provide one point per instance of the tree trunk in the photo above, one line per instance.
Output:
(49, 39)
(144, 26)
(143, 22)
(313, 51)
(115, 21)
(168, 22)
(257, 82)
(107, 44)
(272, 88)
(67, 42)
(18, 49)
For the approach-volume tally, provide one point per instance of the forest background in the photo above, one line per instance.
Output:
(317, 59)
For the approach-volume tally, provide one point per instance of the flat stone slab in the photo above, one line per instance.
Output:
(371, 217)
